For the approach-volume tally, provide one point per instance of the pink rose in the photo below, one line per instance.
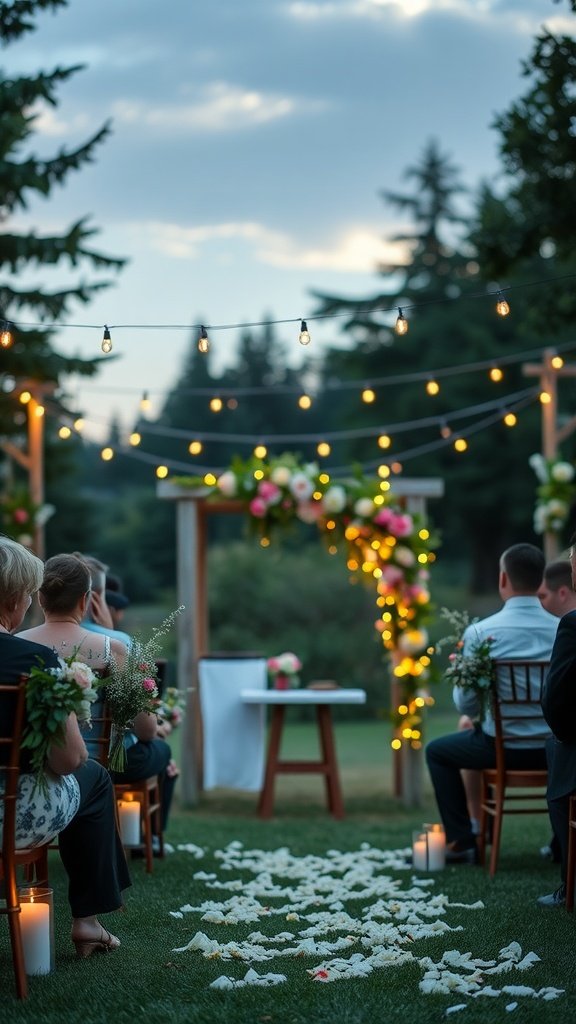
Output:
(20, 515)
(309, 511)
(401, 526)
(269, 492)
(258, 508)
(382, 518)
(149, 685)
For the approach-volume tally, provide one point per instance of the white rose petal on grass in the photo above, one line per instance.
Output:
(528, 961)
(511, 1006)
(456, 1009)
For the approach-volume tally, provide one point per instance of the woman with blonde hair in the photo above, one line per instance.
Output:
(77, 804)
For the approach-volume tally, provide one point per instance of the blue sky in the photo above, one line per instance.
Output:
(251, 141)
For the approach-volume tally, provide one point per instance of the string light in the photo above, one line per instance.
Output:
(79, 424)
(106, 341)
(502, 305)
(195, 447)
(496, 374)
(432, 387)
(64, 433)
(445, 430)
(145, 403)
(162, 472)
(323, 449)
(401, 325)
(260, 451)
(557, 362)
(304, 401)
(6, 338)
(216, 404)
(368, 396)
(545, 397)
(232, 403)
(460, 444)
(25, 397)
(107, 454)
(203, 341)
(304, 336)
(384, 441)
(135, 439)
(510, 419)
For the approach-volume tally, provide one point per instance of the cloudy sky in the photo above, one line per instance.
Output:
(251, 140)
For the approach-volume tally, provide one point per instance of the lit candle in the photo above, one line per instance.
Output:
(129, 819)
(436, 847)
(35, 930)
(420, 851)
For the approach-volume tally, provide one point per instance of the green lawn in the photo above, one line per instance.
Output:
(147, 979)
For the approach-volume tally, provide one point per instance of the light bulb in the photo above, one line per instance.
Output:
(401, 326)
(445, 431)
(106, 341)
(432, 387)
(502, 306)
(135, 439)
(510, 419)
(64, 433)
(557, 362)
(6, 338)
(304, 401)
(368, 396)
(496, 374)
(323, 449)
(203, 341)
(145, 402)
(195, 447)
(216, 404)
(260, 451)
(304, 336)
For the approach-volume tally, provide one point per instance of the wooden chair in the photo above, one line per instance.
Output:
(507, 791)
(571, 865)
(147, 791)
(35, 861)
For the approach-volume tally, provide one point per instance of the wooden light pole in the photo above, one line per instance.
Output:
(32, 459)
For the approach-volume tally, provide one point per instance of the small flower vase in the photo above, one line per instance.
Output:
(281, 681)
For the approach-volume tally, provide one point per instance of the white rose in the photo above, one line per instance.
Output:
(81, 674)
(335, 499)
(562, 472)
(556, 508)
(364, 508)
(227, 484)
(404, 556)
(538, 464)
(280, 475)
(301, 486)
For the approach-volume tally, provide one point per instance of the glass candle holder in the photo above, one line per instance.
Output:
(37, 928)
(436, 847)
(420, 850)
(129, 819)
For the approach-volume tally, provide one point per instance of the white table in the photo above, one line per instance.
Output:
(322, 700)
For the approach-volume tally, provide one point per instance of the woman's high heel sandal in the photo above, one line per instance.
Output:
(105, 944)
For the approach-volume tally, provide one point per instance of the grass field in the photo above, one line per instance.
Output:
(146, 980)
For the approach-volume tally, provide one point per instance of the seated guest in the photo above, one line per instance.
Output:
(115, 599)
(557, 596)
(79, 804)
(556, 591)
(522, 629)
(64, 596)
(97, 617)
(559, 707)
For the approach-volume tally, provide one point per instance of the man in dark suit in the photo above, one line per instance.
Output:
(559, 707)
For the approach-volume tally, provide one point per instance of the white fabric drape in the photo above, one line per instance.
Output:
(234, 733)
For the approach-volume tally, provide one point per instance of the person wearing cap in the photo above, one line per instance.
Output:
(116, 600)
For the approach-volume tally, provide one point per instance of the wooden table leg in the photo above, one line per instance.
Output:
(266, 801)
(332, 780)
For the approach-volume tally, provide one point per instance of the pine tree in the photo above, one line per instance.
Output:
(24, 177)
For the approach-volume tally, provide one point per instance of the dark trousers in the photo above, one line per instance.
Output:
(147, 758)
(558, 810)
(469, 748)
(90, 847)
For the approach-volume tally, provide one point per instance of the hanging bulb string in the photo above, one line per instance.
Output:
(335, 472)
(485, 294)
(512, 401)
(335, 385)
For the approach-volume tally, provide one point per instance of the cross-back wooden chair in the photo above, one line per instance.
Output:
(35, 861)
(505, 790)
(147, 791)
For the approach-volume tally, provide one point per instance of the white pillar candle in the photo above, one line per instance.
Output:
(129, 819)
(420, 851)
(35, 930)
(436, 847)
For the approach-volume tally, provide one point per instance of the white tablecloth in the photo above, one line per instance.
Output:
(303, 696)
(234, 733)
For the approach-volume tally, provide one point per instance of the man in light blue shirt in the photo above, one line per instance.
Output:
(98, 618)
(523, 629)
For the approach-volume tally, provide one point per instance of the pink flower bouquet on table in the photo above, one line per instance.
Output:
(283, 670)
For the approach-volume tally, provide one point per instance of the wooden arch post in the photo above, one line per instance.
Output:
(192, 631)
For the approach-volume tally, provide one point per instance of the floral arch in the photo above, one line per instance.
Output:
(382, 536)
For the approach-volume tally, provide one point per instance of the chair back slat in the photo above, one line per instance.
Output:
(516, 704)
(98, 738)
(12, 699)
